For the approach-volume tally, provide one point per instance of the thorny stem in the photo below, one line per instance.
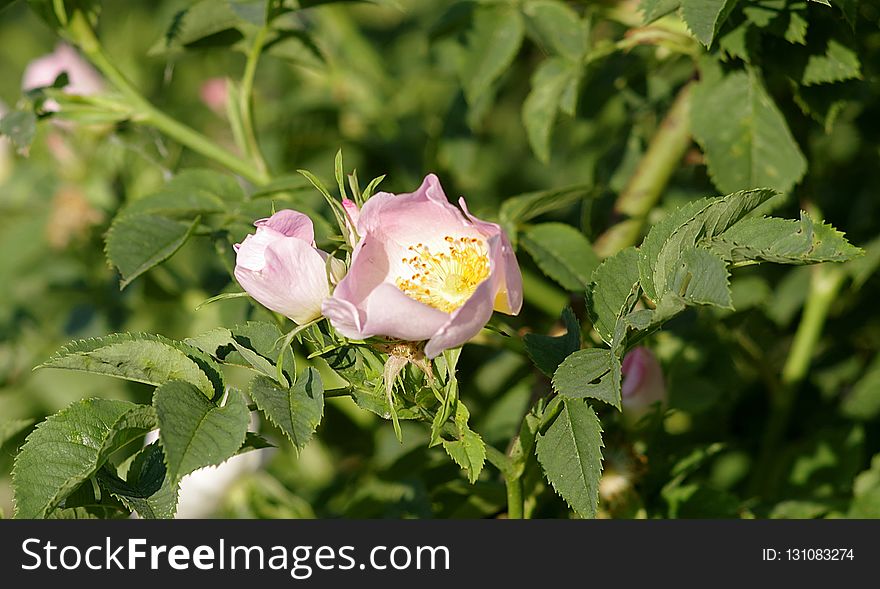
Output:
(82, 34)
(653, 173)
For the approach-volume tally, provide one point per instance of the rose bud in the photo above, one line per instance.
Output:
(214, 93)
(423, 270)
(280, 267)
(82, 78)
(643, 383)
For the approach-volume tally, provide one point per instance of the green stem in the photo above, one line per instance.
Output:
(83, 35)
(246, 109)
(511, 471)
(498, 459)
(825, 284)
(514, 497)
(653, 173)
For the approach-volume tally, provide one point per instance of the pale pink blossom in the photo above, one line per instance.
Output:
(643, 383)
(82, 78)
(214, 93)
(280, 267)
(423, 270)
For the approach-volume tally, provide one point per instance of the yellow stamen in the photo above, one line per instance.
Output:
(445, 280)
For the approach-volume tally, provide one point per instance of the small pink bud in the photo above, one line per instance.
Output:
(643, 383)
(281, 268)
(214, 93)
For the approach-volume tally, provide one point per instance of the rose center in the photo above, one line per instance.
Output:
(447, 277)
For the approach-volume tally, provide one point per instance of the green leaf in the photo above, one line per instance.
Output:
(92, 512)
(654, 9)
(194, 431)
(783, 241)
(296, 411)
(190, 193)
(559, 28)
(743, 134)
(296, 47)
(548, 352)
(612, 285)
(701, 278)
(863, 401)
(468, 450)
(863, 267)
(148, 490)
(705, 17)
(19, 126)
(253, 442)
(203, 21)
(850, 9)
(525, 207)
(866, 493)
(838, 63)
(252, 11)
(593, 373)
(550, 83)
(69, 447)
(12, 428)
(563, 253)
(136, 243)
(661, 251)
(570, 452)
(796, 32)
(141, 357)
(493, 43)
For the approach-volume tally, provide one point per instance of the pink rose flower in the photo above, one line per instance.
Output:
(82, 78)
(424, 271)
(643, 383)
(281, 268)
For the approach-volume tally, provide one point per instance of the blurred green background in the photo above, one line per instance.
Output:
(384, 82)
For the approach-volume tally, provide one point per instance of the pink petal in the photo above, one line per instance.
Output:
(351, 219)
(214, 93)
(344, 317)
(643, 382)
(423, 216)
(291, 224)
(510, 292)
(389, 312)
(466, 321)
(251, 253)
(83, 79)
(364, 305)
(292, 282)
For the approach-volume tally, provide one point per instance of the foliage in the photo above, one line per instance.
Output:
(551, 117)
